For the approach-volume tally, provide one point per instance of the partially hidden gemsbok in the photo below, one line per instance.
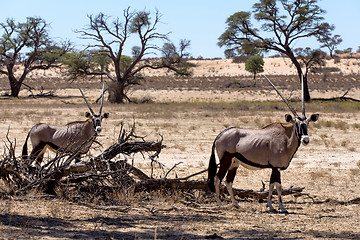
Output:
(270, 147)
(75, 137)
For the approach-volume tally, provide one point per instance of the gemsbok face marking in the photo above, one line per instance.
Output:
(74, 137)
(270, 147)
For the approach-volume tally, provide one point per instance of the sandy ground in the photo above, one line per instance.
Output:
(228, 68)
(328, 168)
(281, 66)
(187, 128)
(177, 95)
(189, 120)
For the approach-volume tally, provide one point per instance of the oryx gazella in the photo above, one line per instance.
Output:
(270, 147)
(74, 137)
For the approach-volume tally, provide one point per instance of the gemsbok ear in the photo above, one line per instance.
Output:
(87, 114)
(106, 115)
(288, 118)
(314, 117)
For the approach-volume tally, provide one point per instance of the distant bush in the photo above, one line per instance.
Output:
(255, 65)
(239, 59)
(326, 70)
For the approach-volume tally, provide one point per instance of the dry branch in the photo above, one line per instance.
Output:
(342, 98)
(330, 200)
(103, 165)
(128, 148)
(155, 184)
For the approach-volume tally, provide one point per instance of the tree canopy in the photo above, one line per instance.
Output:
(282, 24)
(310, 59)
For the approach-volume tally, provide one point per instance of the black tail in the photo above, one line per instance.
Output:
(25, 150)
(212, 169)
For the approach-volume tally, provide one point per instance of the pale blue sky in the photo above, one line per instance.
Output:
(200, 21)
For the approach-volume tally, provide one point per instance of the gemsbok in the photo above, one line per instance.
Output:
(75, 137)
(270, 147)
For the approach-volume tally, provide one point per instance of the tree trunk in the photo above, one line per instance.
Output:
(306, 90)
(116, 92)
(307, 97)
(15, 86)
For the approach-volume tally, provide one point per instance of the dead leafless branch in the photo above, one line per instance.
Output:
(342, 98)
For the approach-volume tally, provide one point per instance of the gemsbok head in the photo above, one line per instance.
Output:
(270, 147)
(74, 137)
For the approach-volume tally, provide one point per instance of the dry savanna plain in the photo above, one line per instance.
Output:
(188, 113)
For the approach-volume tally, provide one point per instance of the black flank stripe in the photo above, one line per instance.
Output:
(247, 162)
(53, 146)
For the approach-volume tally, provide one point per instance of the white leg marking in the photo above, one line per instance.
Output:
(271, 188)
(217, 190)
(231, 192)
(235, 163)
(281, 206)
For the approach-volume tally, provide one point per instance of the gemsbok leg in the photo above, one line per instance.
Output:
(228, 167)
(225, 163)
(275, 181)
(37, 154)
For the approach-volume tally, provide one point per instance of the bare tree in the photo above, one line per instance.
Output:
(284, 23)
(29, 45)
(112, 37)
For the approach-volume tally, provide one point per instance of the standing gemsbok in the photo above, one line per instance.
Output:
(74, 137)
(270, 147)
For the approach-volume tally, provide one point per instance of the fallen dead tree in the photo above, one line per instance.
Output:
(342, 98)
(153, 184)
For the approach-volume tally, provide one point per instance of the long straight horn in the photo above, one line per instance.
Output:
(286, 101)
(92, 112)
(302, 95)
(102, 99)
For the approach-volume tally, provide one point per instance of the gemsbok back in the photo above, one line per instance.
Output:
(75, 137)
(270, 147)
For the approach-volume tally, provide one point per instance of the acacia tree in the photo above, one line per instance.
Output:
(112, 37)
(330, 42)
(283, 23)
(311, 59)
(27, 46)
